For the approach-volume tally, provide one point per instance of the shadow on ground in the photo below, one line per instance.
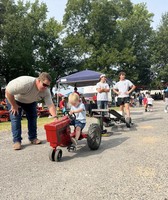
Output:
(84, 151)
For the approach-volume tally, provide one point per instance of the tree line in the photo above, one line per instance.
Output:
(102, 35)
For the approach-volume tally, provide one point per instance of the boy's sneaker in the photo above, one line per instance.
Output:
(74, 141)
(35, 141)
(165, 110)
(17, 146)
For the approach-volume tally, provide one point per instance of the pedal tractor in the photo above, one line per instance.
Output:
(58, 134)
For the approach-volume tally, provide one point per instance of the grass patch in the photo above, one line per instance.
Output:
(6, 126)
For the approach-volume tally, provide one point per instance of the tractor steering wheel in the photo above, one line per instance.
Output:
(72, 117)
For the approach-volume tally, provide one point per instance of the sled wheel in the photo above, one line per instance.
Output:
(94, 136)
(128, 122)
(58, 155)
(51, 154)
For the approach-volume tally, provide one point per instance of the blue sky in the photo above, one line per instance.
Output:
(158, 7)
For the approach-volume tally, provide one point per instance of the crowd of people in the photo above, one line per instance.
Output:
(24, 92)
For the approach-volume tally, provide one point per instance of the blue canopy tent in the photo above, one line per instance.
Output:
(80, 79)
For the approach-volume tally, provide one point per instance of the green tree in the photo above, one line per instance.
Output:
(136, 32)
(159, 46)
(109, 36)
(50, 54)
(30, 43)
(19, 27)
(92, 31)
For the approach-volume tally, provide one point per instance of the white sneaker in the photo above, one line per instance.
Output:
(165, 111)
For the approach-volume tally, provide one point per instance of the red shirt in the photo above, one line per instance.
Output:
(94, 98)
(145, 100)
(62, 104)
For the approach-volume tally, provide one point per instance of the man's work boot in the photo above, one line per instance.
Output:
(35, 141)
(17, 146)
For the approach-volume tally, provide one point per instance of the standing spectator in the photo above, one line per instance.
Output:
(23, 93)
(76, 91)
(123, 88)
(62, 105)
(140, 97)
(150, 103)
(165, 99)
(83, 99)
(102, 96)
(145, 101)
(102, 92)
(95, 98)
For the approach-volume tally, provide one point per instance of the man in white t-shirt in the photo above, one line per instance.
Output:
(23, 93)
(102, 92)
(123, 88)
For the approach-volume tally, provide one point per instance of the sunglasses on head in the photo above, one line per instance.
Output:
(45, 85)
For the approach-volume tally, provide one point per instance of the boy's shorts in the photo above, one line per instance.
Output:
(122, 101)
(77, 123)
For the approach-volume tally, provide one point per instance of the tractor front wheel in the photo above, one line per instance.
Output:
(58, 155)
(51, 154)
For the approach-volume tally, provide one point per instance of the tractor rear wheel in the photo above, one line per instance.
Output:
(94, 136)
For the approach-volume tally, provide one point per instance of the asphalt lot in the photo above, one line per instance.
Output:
(131, 164)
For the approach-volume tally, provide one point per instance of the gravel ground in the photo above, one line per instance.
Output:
(131, 164)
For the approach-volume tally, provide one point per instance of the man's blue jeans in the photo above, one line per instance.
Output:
(102, 104)
(31, 115)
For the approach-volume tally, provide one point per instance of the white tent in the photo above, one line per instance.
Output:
(89, 89)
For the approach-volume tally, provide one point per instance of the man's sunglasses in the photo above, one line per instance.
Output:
(45, 85)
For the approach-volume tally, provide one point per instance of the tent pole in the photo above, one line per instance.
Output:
(57, 98)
